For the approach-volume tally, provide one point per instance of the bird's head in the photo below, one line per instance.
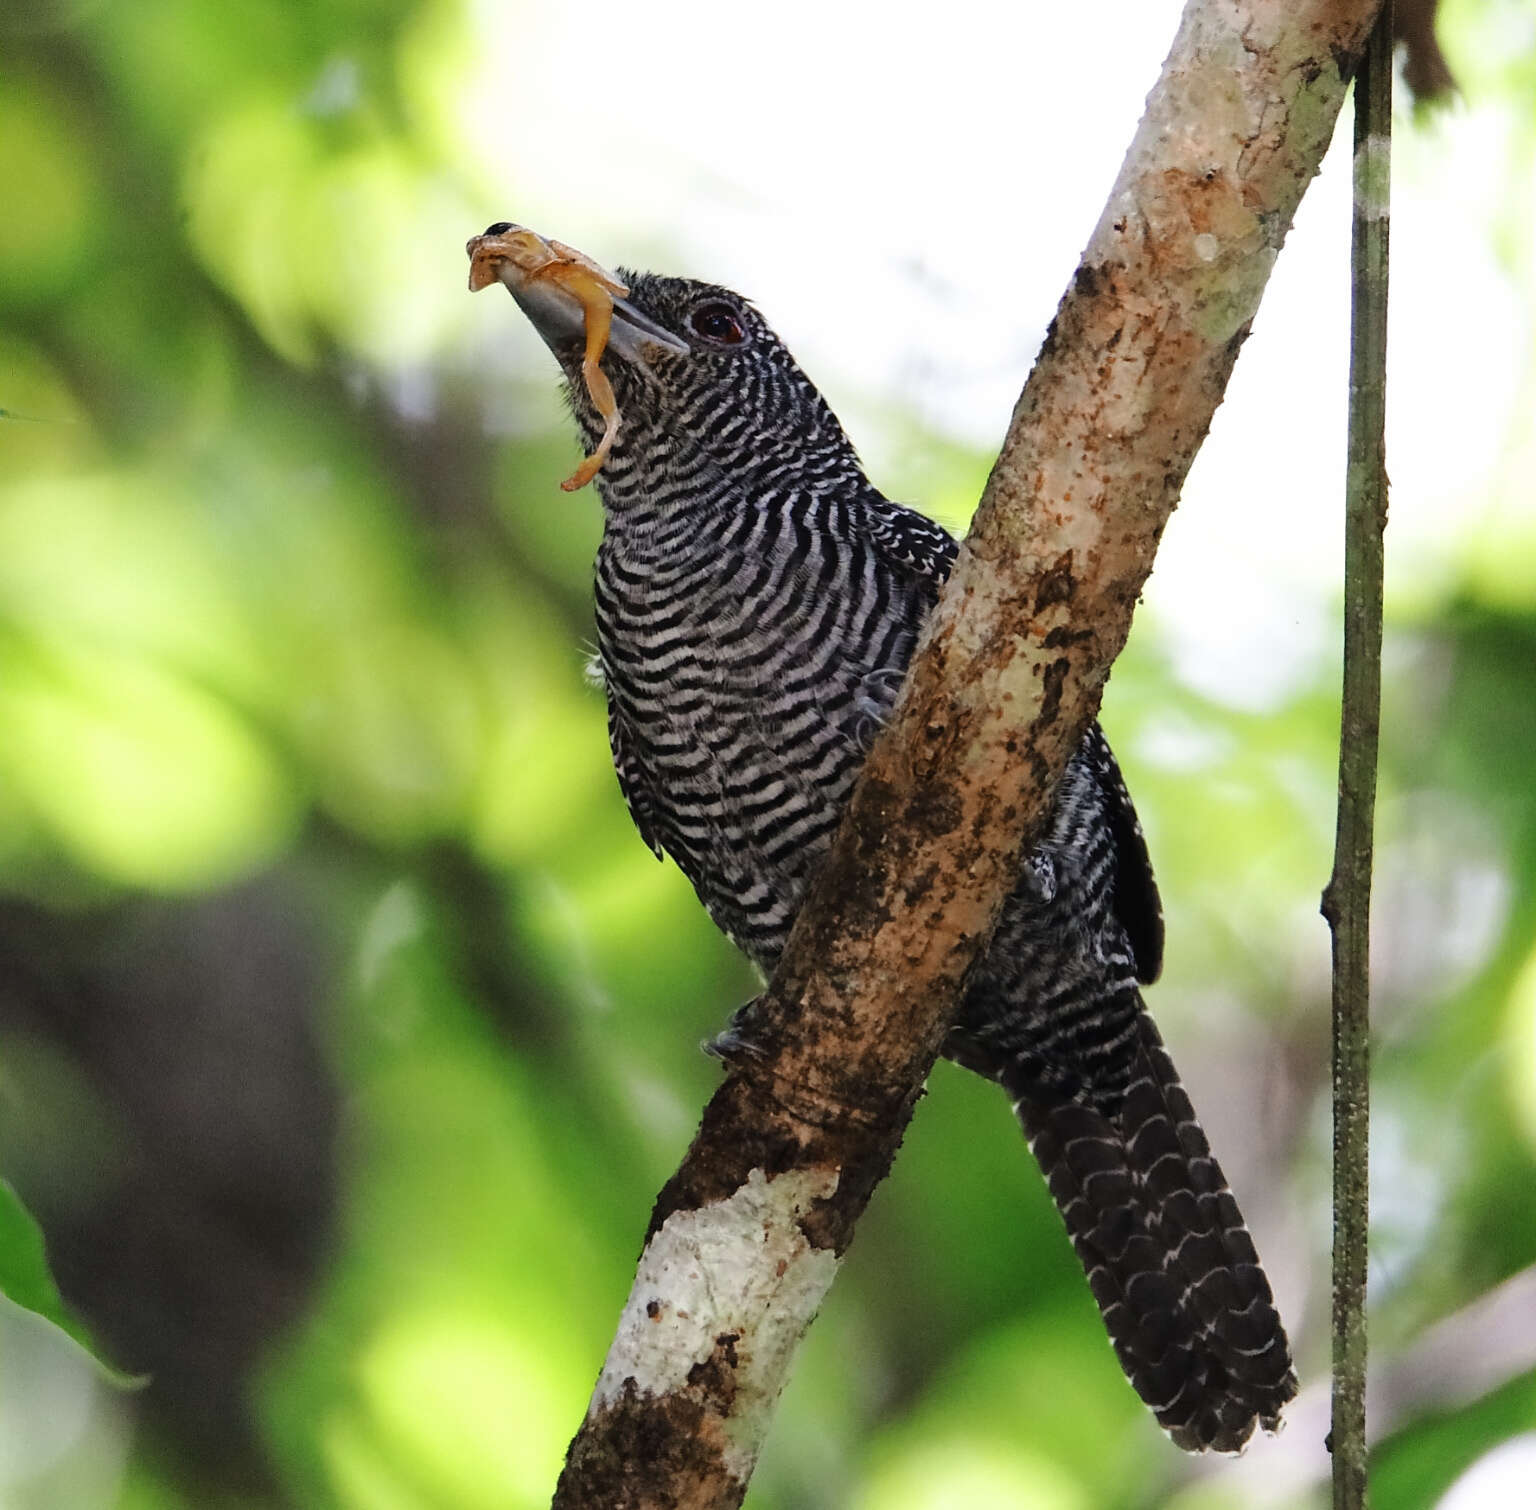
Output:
(708, 393)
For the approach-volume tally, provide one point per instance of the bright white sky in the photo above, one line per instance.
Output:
(905, 193)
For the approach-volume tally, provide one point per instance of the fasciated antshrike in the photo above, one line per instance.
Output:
(757, 604)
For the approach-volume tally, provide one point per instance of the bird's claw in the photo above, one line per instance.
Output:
(736, 1041)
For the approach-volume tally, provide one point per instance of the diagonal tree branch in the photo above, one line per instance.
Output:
(746, 1238)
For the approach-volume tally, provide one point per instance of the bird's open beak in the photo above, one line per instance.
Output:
(522, 260)
(558, 316)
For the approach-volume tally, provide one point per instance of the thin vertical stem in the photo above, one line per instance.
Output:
(1347, 901)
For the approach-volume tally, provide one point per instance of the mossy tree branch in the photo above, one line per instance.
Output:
(1347, 900)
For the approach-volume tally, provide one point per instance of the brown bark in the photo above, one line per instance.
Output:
(999, 695)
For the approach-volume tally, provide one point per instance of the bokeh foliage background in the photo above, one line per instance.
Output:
(347, 1030)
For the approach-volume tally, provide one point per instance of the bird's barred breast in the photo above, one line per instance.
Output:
(741, 670)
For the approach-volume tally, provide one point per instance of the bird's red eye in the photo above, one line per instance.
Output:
(717, 323)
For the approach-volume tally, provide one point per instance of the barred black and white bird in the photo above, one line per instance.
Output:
(757, 604)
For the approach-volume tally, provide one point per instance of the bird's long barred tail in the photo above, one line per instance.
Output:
(1167, 1256)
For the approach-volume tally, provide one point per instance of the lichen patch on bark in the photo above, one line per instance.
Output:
(722, 1295)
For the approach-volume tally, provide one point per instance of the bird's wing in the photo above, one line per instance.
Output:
(916, 544)
(917, 555)
(913, 541)
(1136, 901)
(634, 781)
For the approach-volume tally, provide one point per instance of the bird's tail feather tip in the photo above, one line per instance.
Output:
(1184, 1299)
(1228, 1425)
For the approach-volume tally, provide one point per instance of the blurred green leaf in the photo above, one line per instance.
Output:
(26, 1281)
(1415, 1467)
(24, 1273)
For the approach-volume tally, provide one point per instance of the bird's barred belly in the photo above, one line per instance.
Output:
(742, 748)
(750, 835)
(743, 691)
(747, 802)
